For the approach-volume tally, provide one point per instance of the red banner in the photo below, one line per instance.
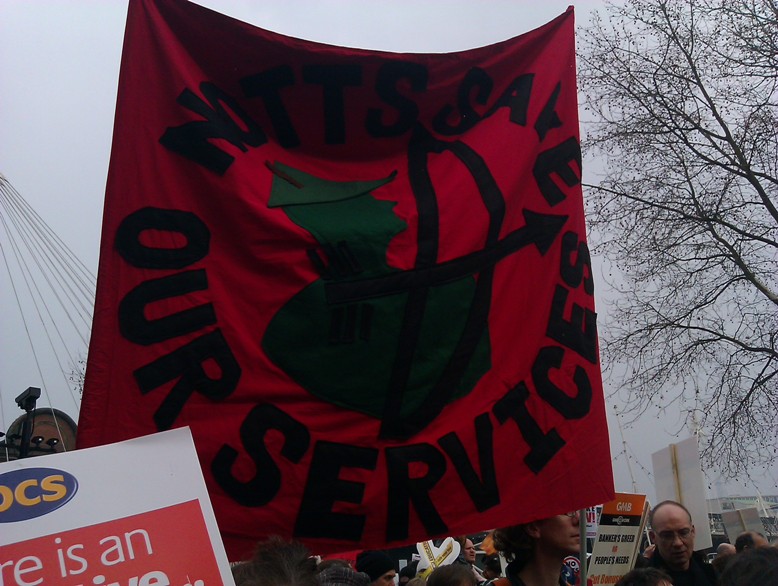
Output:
(361, 278)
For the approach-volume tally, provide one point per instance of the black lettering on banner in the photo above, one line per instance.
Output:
(266, 483)
(484, 490)
(266, 85)
(542, 446)
(548, 117)
(136, 328)
(186, 365)
(389, 75)
(131, 249)
(334, 79)
(569, 407)
(324, 488)
(476, 81)
(556, 161)
(516, 97)
(421, 146)
(579, 333)
(191, 140)
(573, 272)
(404, 490)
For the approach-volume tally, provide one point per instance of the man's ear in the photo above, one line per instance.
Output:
(652, 535)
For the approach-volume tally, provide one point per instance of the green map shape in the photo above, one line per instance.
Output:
(356, 375)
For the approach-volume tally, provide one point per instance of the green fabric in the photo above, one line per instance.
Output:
(311, 189)
(356, 374)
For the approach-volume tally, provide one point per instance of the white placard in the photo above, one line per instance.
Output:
(740, 520)
(131, 512)
(678, 477)
(618, 538)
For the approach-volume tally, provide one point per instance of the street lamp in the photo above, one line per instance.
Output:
(26, 402)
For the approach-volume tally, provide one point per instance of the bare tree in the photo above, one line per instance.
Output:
(681, 105)
(77, 373)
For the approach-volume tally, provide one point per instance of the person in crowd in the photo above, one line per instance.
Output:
(723, 553)
(452, 575)
(725, 549)
(468, 554)
(417, 581)
(649, 551)
(342, 575)
(750, 540)
(641, 560)
(408, 573)
(672, 531)
(277, 563)
(536, 551)
(756, 566)
(242, 573)
(329, 562)
(645, 577)
(492, 568)
(378, 566)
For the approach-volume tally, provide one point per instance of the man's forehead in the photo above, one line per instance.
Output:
(670, 513)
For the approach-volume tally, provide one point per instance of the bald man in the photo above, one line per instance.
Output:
(672, 531)
(750, 540)
(723, 553)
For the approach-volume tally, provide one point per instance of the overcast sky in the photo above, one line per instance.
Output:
(59, 66)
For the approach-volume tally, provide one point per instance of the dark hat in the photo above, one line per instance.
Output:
(342, 576)
(374, 563)
(410, 570)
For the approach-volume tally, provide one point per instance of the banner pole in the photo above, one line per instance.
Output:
(583, 560)
(676, 474)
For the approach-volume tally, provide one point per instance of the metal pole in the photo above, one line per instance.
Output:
(582, 529)
(24, 448)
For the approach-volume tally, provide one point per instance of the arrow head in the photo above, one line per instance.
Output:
(543, 228)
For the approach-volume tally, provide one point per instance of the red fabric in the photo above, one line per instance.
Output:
(206, 285)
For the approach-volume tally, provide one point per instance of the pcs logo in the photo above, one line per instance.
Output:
(34, 492)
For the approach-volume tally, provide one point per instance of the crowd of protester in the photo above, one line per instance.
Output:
(530, 554)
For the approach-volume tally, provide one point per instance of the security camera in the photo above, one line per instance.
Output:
(28, 398)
